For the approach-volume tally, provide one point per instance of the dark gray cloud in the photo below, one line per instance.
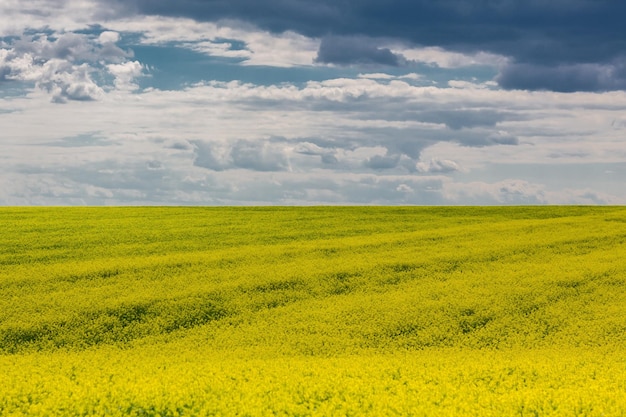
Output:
(355, 50)
(205, 157)
(544, 39)
(5, 71)
(459, 119)
(564, 78)
(258, 156)
(379, 162)
(480, 139)
(327, 155)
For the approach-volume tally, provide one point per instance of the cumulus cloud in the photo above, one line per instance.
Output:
(64, 64)
(125, 74)
(211, 156)
(69, 46)
(65, 81)
(516, 191)
(258, 155)
(438, 166)
(108, 37)
(14, 66)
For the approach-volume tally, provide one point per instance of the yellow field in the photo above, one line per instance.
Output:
(313, 311)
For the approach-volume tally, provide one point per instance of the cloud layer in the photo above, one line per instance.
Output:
(569, 45)
(325, 142)
(299, 102)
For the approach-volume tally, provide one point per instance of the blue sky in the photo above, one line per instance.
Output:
(245, 102)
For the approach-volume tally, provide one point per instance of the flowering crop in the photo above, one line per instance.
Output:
(313, 311)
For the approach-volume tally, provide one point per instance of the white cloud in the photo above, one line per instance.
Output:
(284, 50)
(66, 65)
(216, 39)
(125, 74)
(517, 191)
(447, 59)
(53, 15)
(510, 191)
(472, 85)
(363, 140)
(65, 81)
(377, 76)
(108, 37)
(356, 104)
(259, 155)
(404, 188)
(16, 67)
(412, 76)
(436, 165)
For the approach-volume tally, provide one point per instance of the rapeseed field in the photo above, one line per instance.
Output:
(313, 311)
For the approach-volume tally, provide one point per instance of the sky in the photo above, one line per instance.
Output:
(300, 102)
